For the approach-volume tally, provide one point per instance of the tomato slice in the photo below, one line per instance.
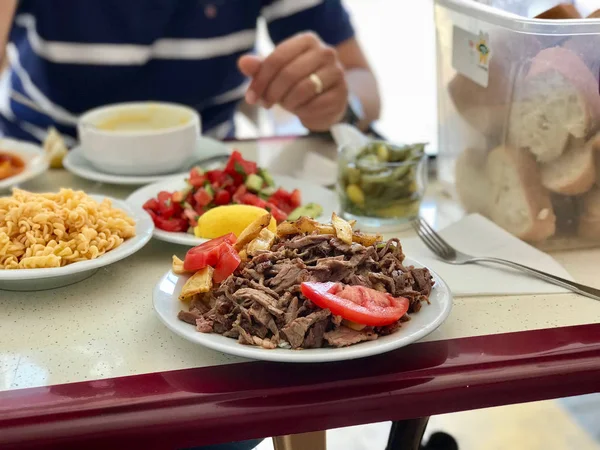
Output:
(167, 208)
(209, 253)
(228, 262)
(229, 238)
(175, 224)
(358, 304)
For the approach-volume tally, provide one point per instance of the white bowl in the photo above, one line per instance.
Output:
(145, 138)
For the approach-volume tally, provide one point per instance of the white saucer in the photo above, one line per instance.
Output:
(32, 155)
(75, 163)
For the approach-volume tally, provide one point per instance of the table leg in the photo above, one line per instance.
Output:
(304, 441)
(407, 434)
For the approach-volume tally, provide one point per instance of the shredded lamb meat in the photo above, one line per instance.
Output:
(261, 304)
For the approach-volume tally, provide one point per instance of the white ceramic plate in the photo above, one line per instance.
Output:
(76, 163)
(167, 305)
(311, 193)
(41, 279)
(33, 156)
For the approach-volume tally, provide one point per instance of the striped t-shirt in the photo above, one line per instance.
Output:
(68, 56)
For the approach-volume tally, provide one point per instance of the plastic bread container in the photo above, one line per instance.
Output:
(519, 120)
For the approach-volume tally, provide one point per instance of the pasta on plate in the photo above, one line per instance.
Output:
(56, 229)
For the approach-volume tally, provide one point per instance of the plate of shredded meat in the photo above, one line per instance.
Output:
(309, 293)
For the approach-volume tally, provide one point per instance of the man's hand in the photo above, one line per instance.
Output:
(284, 78)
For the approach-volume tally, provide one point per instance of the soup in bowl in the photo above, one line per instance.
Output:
(146, 138)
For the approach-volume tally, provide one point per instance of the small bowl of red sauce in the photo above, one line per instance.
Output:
(19, 162)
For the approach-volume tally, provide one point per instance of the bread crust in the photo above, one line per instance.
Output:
(579, 159)
(542, 221)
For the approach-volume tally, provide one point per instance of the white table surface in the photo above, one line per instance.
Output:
(105, 326)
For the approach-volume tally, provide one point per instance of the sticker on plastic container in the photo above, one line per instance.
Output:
(471, 55)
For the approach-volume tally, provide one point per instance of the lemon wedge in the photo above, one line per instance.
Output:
(55, 148)
(229, 219)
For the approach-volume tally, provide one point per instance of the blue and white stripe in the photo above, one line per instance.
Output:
(68, 56)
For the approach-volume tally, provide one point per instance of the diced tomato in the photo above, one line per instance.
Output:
(239, 193)
(191, 216)
(295, 199)
(228, 262)
(190, 198)
(285, 200)
(202, 197)
(151, 205)
(277, 213)
(163, 196)
(216, 176)
(253, 200)
(282, 194)
(199, 210)
(177, 197)
(174, 224)
(236, 165)
(197, 178)
(167, 208)
(222, 197)
(208, 253)
(357, 304)
(152, 214)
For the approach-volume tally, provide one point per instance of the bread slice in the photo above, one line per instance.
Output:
(519, 202)
(594, 14)
(560, 12)
(557, 99)
(471, 183)
(589, 222)
(572, 173)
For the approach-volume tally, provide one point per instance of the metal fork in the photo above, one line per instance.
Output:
(449, 254)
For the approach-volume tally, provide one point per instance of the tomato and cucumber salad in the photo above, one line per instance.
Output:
(239, 182)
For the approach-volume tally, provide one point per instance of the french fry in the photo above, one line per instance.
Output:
(177, 266)
(343, 230)
(252, 231)
(287, 229)
(366, 239)
(306, 225)
(243, 255)
(198, 283)
(263, 242)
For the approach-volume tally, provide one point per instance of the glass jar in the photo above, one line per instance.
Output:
(380, 185)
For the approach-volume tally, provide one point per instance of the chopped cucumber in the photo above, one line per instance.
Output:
(266, 193)
(264, 173)
(254, 183)
(311, 210)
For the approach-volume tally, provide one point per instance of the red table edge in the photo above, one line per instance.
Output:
(214, 404)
